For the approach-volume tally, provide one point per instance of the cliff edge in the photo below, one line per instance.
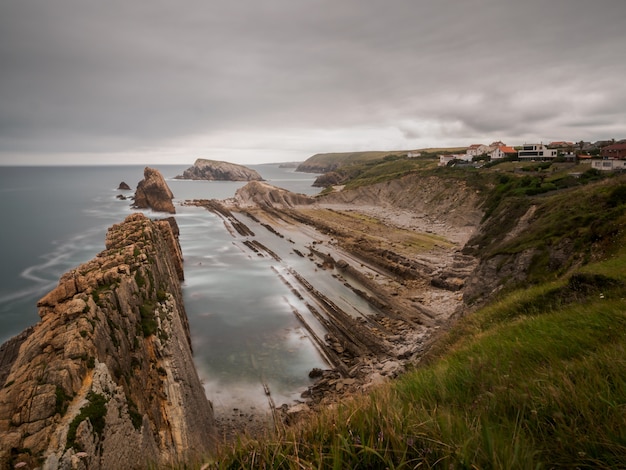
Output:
(106, 379)
(203, 169)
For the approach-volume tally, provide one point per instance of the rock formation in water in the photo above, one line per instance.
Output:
(262, 194)
(223, 171)
(106, 379)
(123, 186)
(154, 193)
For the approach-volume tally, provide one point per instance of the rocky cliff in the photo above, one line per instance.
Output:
(106, 378)
(154, 193)
(204, 169)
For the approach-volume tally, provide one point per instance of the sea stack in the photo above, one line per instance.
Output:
(106, 379)
(154, 193)
(204, 169)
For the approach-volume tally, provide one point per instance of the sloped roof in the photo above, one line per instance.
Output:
(615, 147)
(507, 149)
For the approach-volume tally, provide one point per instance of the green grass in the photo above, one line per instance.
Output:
(341, 159)
(149, 323)
(579, 224)
(536, 380)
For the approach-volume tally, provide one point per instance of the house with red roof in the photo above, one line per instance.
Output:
(502, 151)
(614, 151)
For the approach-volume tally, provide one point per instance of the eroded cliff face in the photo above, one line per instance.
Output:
(106, 378)
(154, 193)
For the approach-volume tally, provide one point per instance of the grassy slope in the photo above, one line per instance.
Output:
(536, 379)
(351, 158)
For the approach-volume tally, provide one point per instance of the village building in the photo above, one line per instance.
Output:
(476, 150)
(561, 145)
(502, 151)
(536, 152)
(445, 159)
(614, 151)
(608, 164)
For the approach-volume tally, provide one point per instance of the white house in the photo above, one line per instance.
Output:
(608, 164)
(502, 151)
(475, 150)
(536, 152)
(445, 159)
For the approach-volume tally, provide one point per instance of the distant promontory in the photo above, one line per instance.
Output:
(204, 169)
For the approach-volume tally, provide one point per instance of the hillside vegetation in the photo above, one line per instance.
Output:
(325, 162)
(536, 378)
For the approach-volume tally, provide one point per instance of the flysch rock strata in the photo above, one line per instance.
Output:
(396, 245)
(106, 379)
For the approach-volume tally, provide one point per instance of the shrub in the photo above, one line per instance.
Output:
(148, 320)
(95, 411)
(62, 401)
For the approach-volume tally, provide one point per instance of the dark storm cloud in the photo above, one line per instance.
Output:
(84, 76)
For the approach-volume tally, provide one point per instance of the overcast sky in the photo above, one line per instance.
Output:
(251, 81)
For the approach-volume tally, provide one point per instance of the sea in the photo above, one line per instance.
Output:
(243, 333)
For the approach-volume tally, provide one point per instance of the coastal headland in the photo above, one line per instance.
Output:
(106, 378)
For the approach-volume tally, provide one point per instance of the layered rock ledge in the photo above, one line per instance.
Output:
(106, 379)
(375, 272)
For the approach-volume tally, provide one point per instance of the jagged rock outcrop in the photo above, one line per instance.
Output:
(204, 169)
(262, 194)
(123, 186)
(106, 379)
(154, 193)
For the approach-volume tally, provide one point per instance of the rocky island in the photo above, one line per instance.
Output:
(106, 379)
(204, 169)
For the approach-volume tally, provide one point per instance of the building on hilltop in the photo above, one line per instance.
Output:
(536, 152)
(445, 159)
(561, 144)
(614, 151)
(502, 151)
(475, 150)
(608, 164)
(613, 158)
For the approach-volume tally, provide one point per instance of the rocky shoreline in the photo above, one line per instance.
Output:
(401, 258)
(404, 262)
